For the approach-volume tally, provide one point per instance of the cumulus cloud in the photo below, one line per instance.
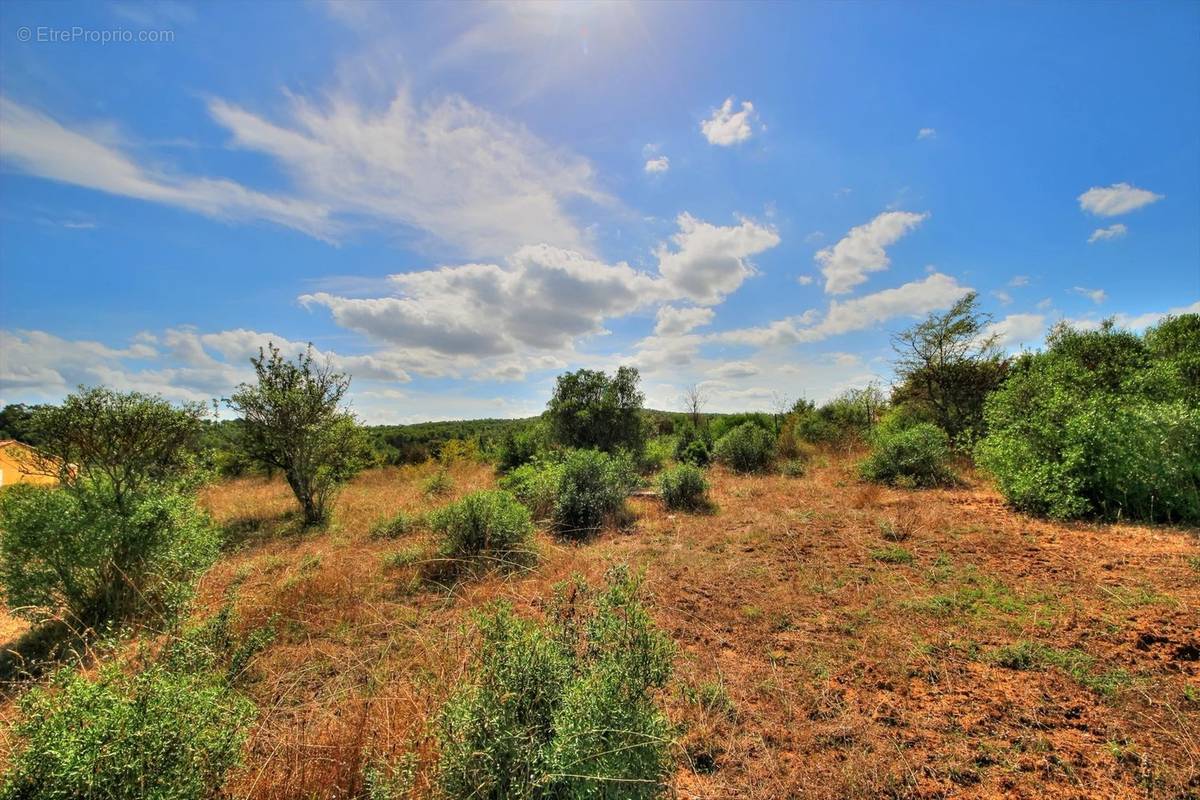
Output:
(1137, 322)
(709, 261)
(657, 165)
(1097, 296)
(917, 298)
(1120, 198)
(1115, 231)
(672, 321)
(735, 369)
(1017, 330)
(727, 127)
(847, 263)
(926, 133)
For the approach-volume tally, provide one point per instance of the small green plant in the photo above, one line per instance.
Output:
(684, 488)
(390, 780)
(893, 530)
(563, 709)
(405, 557)
(439, 484)
(892, 555)
(592, 489)
(917, 456)
(747, 448)
(535, 485)
(492, 524)
(1076, 663)
(794, 468)
(396, 526)
(712, 698)
(693, 445)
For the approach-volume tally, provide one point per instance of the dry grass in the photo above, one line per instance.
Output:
(808, 666)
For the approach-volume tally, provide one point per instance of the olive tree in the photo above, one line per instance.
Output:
(293, 420)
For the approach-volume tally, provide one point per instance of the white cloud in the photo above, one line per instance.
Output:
(672, 321)
(1120, 198)
(466, 176)
(711, 261)
(735, 369)
(1017, 330)
(846, 264)
(1114, 231)
(1018, 281)
(657, 165)
(38, 145)
(804, 280)
(1097, 296)
(727, 127)
(1137, 322)
(926, 133)
(917, 298)
(1003, 297)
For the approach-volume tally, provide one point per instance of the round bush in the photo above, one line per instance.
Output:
(159, 734)
(915, 456)
(535, 485)
(592, 488)
(72, 552)
(746, 448)
(488, 522)
(684, 487)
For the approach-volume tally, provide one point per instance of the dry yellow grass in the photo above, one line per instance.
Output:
(851, 629)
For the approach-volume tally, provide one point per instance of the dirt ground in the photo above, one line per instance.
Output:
(835, 640)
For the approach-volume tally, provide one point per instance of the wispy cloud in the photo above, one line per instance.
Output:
(657, 165)
(1115, 231)
(1097, 296)
(926, 133)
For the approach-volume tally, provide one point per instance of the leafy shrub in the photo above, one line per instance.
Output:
(396, 526)
(794, 468)
(746, 448)
(720, 425)
(658, 452)
(162, 734)
(693, 446)
(487, 522)
(518, 448)
(684, 487)
(1102, 424)
(74, 553)
(439, 484)
(565, 709)
(916, 456)
(535, 485)
(592, 488)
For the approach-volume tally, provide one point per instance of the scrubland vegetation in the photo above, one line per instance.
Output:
(981, 584)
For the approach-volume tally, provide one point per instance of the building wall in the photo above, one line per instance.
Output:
(12, 465)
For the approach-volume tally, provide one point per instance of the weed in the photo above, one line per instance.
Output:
(439, 484)
(1080, 666)
(892, 555)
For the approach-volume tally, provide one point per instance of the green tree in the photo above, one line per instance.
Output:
(591, 410)
(293, 421)
(949, 363)
(120, 533)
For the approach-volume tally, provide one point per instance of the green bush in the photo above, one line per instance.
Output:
(491, 523)
(395, 526)
(519, 447)
(535, 485)
(916, 456)
(160, 734)
(794, 468)
(693, 446)
(684, 487)
(658, 452)
(1103, 424)
(73, 553)
(746, 448)
(565, 709)
(592, 489)
(439, 484)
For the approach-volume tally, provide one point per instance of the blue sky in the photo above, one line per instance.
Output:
(457, 202)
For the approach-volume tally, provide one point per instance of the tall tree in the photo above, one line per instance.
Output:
(591, 410)
(694, 400)
(949, 363)
(293, 421)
